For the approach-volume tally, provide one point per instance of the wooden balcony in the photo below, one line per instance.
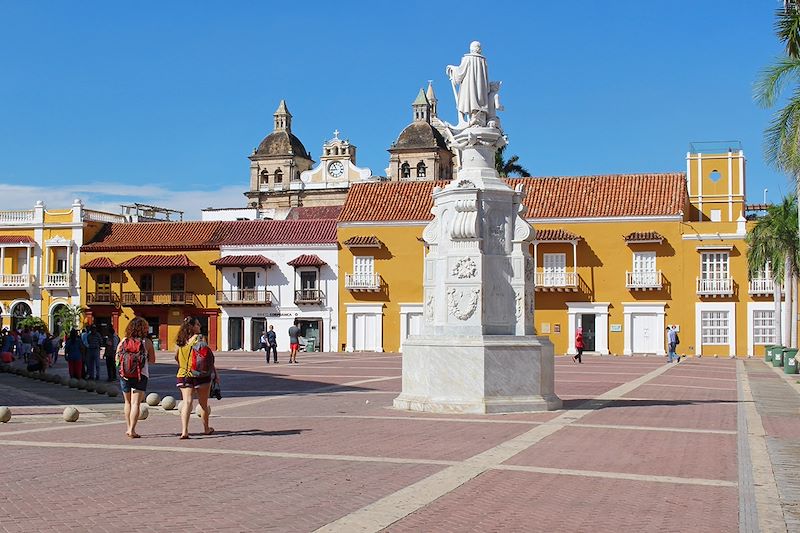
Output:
(309, 296)
(761, 287)
(362, 282)
(715, 287)
(16, 281)
(245, 297)
(556, 281)
(159, 298)
(102, 298)
(645, 280)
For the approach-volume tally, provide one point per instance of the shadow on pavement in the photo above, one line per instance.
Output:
(592, 403)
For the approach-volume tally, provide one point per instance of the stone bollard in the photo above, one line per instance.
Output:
(152, 399)
(71, 414)
(144, 411)
(5, 414)
(168, 403)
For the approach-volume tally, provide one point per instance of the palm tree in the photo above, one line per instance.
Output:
(774, 241)
(510, 167)
(782, 137)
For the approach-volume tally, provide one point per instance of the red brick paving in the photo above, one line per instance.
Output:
(257, 493)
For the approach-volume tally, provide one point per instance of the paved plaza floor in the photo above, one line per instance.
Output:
(640, 445)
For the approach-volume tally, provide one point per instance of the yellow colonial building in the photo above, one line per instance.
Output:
(40, 259)
(619, 256)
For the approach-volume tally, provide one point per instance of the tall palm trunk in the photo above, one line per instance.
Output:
(794, 311)
(778, 328)
(787, 318)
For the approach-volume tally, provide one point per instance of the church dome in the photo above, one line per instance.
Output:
(420, 134)
(282, 143)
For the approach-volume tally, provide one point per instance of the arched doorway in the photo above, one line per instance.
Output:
(55, 323)
(20, 311)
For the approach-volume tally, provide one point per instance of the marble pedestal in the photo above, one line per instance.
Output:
(480, 374)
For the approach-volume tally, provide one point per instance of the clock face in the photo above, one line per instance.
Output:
(336, 169)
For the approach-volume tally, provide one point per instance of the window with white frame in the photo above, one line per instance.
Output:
(714, 265)
(764, 326)
(644, 261)
(714, 327)
(363, 269)
(555, 270)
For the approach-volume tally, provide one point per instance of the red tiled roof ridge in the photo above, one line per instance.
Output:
(599, 196)
(644, 236)
(14, 239)
(158, 261)
(242, 260)
(99, 263)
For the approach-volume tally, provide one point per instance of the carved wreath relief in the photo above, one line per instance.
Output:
(465, 268)
(429, 308)
(455, 304)
(519, 301)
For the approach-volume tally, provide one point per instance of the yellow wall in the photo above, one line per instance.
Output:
(399, 263)
(200, 281)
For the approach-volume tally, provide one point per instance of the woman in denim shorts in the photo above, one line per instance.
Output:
(188, 336)
(133, 389)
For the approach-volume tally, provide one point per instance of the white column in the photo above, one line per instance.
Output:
(627, 326)
(575, 257)
(223, 331)
(2, 260)
(248, 328)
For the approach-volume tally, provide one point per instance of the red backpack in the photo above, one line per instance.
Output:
(131, 359)
(201, 360)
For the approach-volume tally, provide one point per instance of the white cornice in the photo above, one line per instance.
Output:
(713, 237)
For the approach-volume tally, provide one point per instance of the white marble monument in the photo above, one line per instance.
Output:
(477, 352)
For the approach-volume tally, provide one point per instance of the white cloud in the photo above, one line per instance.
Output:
(103, 196)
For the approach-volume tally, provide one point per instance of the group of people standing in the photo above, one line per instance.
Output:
(269, 343)
(35, 346)
(82, 353)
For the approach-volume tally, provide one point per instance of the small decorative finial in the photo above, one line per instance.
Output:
(336, 134)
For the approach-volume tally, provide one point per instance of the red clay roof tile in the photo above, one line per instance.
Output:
(99, 263)
(365, 241)
(243, 261)
(16, 239)
(210, 235)
(320, 212)
(556, 235)
(614, 195)
(158, 261)
(306, 260)
(647, 236)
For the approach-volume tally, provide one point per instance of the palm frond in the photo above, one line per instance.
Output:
(787, 27)
(773, 79)
(782, 137)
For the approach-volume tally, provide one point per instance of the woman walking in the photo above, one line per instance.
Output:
(578, 346)
(134, 372)
(189, 380)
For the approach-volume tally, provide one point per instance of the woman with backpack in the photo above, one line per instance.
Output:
(135, 353)
(195, 370)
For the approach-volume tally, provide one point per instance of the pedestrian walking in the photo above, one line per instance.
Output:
(73, 350)
(672, 343)
(294, 342)
(578, 346)
(272, 344)
(194, 380)
(94, 342)
(134, 355)
(110, 355)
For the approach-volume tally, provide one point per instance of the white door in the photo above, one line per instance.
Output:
(414, 323)
(22, 262)
(555, 270)
(364, 332)
(645, 334)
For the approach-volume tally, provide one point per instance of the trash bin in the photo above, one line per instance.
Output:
(768, 352)
(777, 348)
(777, 357)
(790, 361)
(311, 344)
(156, 344)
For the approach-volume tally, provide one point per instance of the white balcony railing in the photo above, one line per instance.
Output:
(58, 279)
(762, 286)
(646, 279)
(715, 287)
(556, 280)
(15, 281)
(362, 282)
(16, 217)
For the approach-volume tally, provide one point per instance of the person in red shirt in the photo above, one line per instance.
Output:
(578, 346)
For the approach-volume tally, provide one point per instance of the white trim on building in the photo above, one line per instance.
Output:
(600, 311)
(634, 337)
(728, 331)
(366, 318)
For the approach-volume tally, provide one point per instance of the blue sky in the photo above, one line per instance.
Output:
(163, 101)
